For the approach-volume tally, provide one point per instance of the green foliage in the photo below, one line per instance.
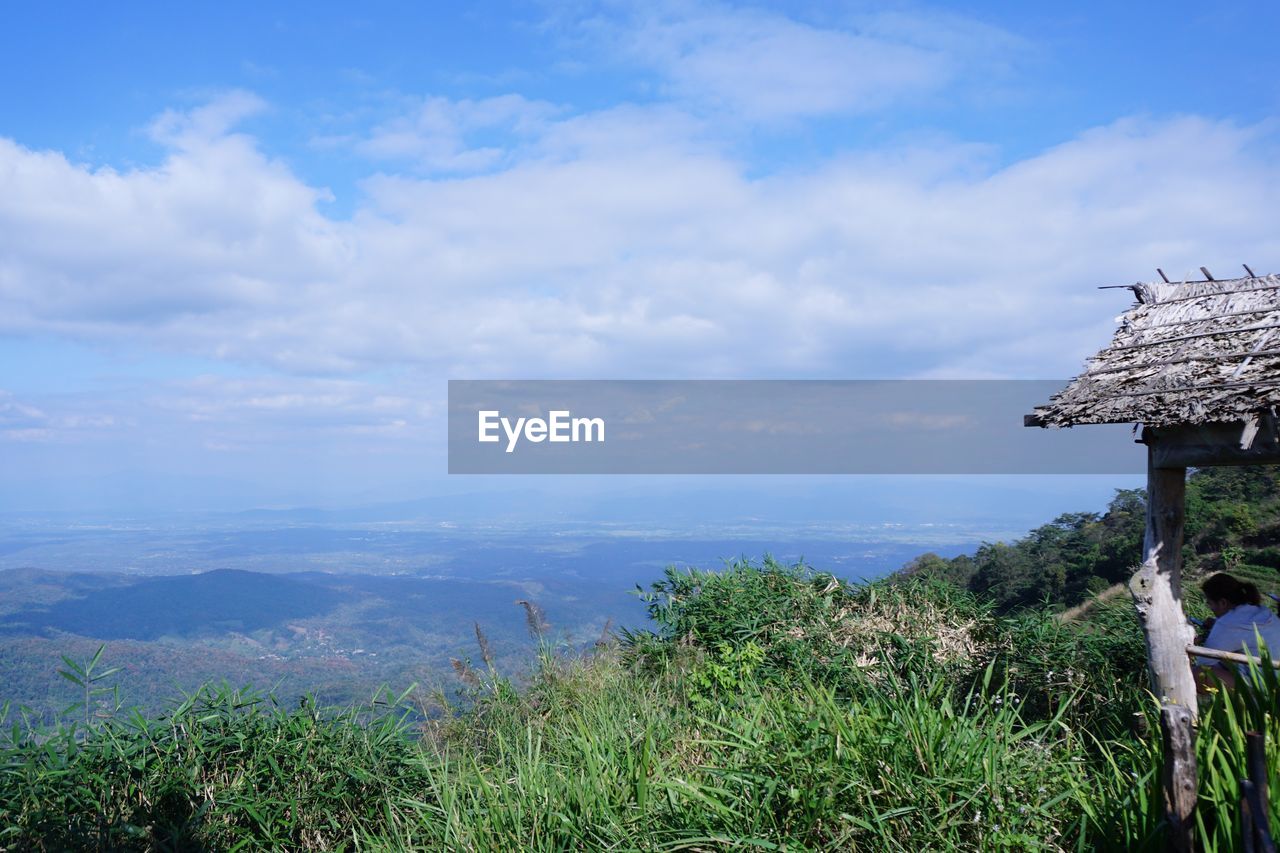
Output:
(1233, 519)
(223, 768)
(1058, 563)
(903, 768)
(1101, 661)
(1254, 706)
(87, 677)
(809, 623)
(1127, 814)
(730, 671)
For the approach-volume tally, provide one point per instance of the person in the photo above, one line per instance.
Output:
(1239, 620)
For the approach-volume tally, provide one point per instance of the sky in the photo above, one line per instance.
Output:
(243, 247)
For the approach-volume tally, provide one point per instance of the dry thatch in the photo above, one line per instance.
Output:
(875, 628)
(1190, 353)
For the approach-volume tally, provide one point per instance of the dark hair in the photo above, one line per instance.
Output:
(1223, 585)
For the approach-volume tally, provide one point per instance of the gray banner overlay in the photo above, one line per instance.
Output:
(772, 427)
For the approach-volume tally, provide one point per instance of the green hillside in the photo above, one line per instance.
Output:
(1233, 524)
(773, 707)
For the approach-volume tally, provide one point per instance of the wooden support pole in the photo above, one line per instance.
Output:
(1157, 588)
(1157, 596)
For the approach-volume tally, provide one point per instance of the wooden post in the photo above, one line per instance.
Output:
(1157, 588)
(1255, 809)
(1248, 835)
(1157, 596)
(1179, 776)
(1255, 744)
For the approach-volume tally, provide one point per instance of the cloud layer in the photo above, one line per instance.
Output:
(624, 243)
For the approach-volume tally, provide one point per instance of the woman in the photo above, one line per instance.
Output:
(1240, 618)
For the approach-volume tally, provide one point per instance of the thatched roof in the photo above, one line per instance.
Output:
(1190, 353)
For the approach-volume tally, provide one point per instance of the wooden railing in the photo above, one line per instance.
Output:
(1233, 657)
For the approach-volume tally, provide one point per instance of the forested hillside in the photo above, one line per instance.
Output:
(1233, 523)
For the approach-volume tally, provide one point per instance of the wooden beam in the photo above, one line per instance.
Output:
(1245, 442)
(1210, 456)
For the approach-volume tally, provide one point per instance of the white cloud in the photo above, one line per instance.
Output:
(68, 419)
(435, 135)
(216, 234)
(199, 126)
(258, 413)
(590, 255)
(764, 66)
(267, 409)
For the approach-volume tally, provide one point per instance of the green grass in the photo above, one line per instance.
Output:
(224, 768)
(773, 708)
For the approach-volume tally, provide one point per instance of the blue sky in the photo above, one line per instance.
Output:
(243, 248)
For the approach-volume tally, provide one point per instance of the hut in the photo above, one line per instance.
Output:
(1195, 366)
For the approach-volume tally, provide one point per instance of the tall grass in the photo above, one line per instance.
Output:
(224, 768)
(1253, 706)
(629, 763)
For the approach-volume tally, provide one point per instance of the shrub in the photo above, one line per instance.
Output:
(811, 624)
